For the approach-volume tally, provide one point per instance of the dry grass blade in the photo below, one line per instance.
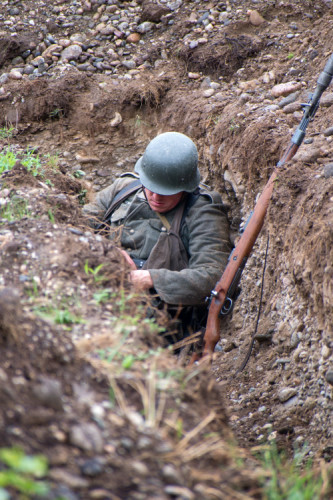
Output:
(198, 450)
(119, 396)
(194, 432)
(153, 411)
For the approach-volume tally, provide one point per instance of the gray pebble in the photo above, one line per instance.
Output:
(87, 436)
(71, 52)
(145, 27)
(92, 467)
(28, 69)
(286, 394)
(4, 78)
(329, 376)
(49, 393)
(328, 131)
(288, 100)
(129, 64)
(328, 170)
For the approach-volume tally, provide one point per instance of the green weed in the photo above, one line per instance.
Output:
(7, 160)
(32, 162)
(78, 174)
(94, 272)
(56, 113)
(234, 127)
(52, 161)
(33, 290)
(51, 216)
(22, 472)
(60, 316)
(290, 55)
(6, 133)
(15, 209)
(102, 296)
(287, 480)
(82, 196)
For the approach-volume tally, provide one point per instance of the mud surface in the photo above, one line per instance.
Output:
(85, 379)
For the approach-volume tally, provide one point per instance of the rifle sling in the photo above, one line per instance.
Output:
(253, 337)
(123, 194)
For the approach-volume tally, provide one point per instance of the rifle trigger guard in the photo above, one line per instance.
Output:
(227, 306)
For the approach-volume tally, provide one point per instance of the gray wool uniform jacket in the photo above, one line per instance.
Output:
(204, 233)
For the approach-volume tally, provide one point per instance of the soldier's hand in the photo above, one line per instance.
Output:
(141, 279)
(128, 259)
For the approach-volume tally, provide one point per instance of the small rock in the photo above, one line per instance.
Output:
(292, 107)
(329, 376)
(116, 120)
(86, 436)
(208, 92)
(72, 52)
(179, 492)
(328, 131)
(77, 38)
(17, 61)
(288, 100)
(283, 89)
(255, 18)
(28, 69)
(294, 340)
(51, 49)
(4, 78)
(138, 468)
(171, 474)
(86, 158)
(49, 393)
(63, 476)
(153, 12)
(62, 491)
(325, 352)
(307, 155)
(193, 76)
(14, 74)
(133, 38)
(129, 64)
(145, 27)
(327, 99)
(286, 394)
(92, 467)
(328, 170)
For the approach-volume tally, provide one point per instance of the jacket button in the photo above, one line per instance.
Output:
(131, 231)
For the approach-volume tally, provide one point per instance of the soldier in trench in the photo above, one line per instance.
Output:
(173, 233)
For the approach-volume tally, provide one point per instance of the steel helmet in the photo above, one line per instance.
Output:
(169, 164)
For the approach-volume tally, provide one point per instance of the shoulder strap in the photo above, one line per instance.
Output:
(174, 227)
(121, 196)
(164, 220)
(178, 218)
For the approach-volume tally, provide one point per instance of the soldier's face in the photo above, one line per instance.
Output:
(162, 203)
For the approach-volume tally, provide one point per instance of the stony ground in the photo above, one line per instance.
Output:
(85, 380)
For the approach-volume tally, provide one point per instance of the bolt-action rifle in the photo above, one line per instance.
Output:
(225, 291)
